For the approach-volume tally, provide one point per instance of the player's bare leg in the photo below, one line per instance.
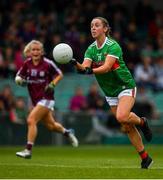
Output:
(52, 125)
(37, 113)
(135, 138)
(124, 115)
(43, 113)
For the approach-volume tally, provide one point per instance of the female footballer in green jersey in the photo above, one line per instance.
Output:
(104, 59)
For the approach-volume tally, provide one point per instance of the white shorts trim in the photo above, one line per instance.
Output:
(47, 103)
(113, 101)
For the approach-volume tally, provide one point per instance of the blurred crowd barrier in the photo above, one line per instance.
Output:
(94, 125)
(90, 129)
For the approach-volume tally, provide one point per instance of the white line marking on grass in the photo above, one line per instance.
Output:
(73, 166)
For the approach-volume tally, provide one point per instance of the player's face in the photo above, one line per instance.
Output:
(97, 28)
(27, 54)
(36, 51)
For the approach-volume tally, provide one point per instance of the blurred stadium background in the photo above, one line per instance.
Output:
(136, 25)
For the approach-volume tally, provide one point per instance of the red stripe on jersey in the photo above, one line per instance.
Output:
(97, 64)
(115, 65)
(133, 92)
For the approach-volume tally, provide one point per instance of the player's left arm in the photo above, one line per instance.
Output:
(58, 75)
(106, 67)
(54, 70)
(57, 78)
(114, 53)
(86, 66)
(50, 87)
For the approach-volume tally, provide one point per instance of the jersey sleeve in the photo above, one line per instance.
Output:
(88, 54)
(22, 72)
(115, 51)
(54, 69)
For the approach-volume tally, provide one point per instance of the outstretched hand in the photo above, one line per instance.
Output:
(20, 81)
(24, 83)
(87, 70)
(81, 70)
(73, 62)
(50, 87)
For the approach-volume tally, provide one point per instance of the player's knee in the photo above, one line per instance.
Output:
(122, 118)
(31, 121)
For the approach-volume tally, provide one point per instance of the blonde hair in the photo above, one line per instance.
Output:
(105, 24)
(27, 48)
(26, 51)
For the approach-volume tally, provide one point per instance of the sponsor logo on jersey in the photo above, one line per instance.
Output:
(42, 73)
(99, 55)
(33, 72)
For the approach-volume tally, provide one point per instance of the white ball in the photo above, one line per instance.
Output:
(62, 53)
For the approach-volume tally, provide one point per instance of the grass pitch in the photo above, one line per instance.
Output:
(95, 162)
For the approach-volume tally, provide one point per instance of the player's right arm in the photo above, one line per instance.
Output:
(86, 63)
(20, 76)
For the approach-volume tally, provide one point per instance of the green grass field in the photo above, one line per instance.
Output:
(95, 162)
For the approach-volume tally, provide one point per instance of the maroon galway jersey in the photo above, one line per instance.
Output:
(38, 76)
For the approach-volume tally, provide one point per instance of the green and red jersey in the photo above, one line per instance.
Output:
(119, 78)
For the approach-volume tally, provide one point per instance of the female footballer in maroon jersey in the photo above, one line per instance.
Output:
(41, 76)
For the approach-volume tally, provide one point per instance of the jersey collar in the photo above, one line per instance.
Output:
(102, 44)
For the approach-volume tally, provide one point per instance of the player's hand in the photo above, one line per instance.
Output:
(20, 81)
(88, 70)
(50, 87)
(24, 83)
(73, 62)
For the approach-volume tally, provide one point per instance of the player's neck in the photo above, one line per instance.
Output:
(100, 41)
(36, 61)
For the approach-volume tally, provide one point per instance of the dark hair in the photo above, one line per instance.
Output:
(105, 23)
